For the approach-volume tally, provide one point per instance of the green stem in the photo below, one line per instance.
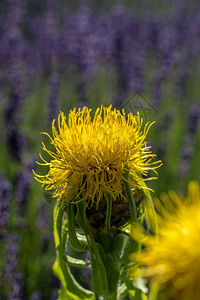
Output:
(109, 297)
(154, 289)
(75, 243)
(130, 197)
(108, 212)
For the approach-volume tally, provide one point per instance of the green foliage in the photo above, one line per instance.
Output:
(33, 261)
(71, 288)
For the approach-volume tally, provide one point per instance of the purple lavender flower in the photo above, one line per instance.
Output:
(35, 296)
(151, 32)
(16, 291)
(103, 41)
(47, 37)
(194, 114)
(163, 145)
(120, 29)
(12, 46)
(14, 103)
(179, 19)
(166, 50)
(54, 88)
(80, 42)
(134, 74)
(11, 55)
(44, 227)
(5, 194)
(16, 142)
(157, 88)
(188, 141)
(10, 275)
(54, 296)
(128, 53)
(55, 283)
(23, 185)
(12, 251)
(181, 82)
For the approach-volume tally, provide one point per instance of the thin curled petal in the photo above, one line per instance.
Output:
(91, 154)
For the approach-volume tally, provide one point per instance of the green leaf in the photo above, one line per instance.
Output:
(134, 292)
(105, 239)
(130, 197)
(150, 214)
(74, 242)
(108, 211)
(99, 276)
(66, 295)
(137, 294)
(74, 262)
(70, 285)
(58, 217)
(112, 271)
(81, 217)
(154, 290)
(81, 238)
(105, 272)
(60, 240)
(122, 291)
(124, 245)
(48, 197)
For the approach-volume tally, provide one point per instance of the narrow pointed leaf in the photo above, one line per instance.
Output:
(99, 276)
(68, 281)
(75, 243)
(108, 212)
(130, 197)
(81, 217)
(124, 245)
(58, 217)
(134, 292)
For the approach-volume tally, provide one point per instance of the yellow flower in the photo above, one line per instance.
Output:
(91, 153)
(173, 258)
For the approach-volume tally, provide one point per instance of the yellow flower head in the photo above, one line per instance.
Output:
(173, 258)
(91, 153)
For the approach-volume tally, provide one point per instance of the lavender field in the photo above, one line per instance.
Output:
(57, 55)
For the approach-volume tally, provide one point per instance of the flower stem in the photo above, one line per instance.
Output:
(130, 196)
(109, 212)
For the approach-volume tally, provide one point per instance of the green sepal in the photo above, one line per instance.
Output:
(124, 245)
(154, 290)
(74, 241)
(137, 294)
(134, 292)
(108, 211)
(74, 262)
(48, 197)
(99, 276)
(60, 240)
(130, 197)
(70, 285)
(58, 217)
(81, 217)
(112, 271)
(105, 239)
(121, 244)
(81, 238)
(122, 291)
(150, 214)
(66, 295)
